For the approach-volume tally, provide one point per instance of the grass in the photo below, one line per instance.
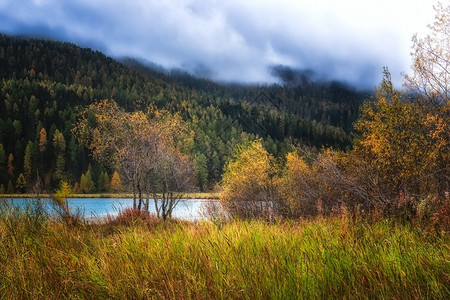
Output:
(322, 258)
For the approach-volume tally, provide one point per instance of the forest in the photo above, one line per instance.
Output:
(325, 191)
(46, 84)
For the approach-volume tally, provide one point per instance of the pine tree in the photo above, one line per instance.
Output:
(2, 156)
(201, 170)
(28, 160)
(86, 183)
(59, 143)
(60, 165)
(76, 188)
(42, 140)
(10, 189)
(21, 183)
(116, 184)
(103, 182)
(11, 167)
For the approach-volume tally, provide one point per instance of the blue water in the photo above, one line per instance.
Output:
(94, 208)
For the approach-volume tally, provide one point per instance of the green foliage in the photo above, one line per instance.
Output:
(103, 183)
(42, 83)
(2, 156)
(28, 160)
(59, 143)
(10, 189)
(60, 165)
(87, 185)
(201, 170)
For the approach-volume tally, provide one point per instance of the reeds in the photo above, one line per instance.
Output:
(332, 257)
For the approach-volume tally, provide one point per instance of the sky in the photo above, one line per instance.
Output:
(236, 40)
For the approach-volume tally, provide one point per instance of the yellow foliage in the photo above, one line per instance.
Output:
(62, 193)
(248, 182)
(404, 141)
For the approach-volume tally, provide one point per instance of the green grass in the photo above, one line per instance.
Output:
(322, 258)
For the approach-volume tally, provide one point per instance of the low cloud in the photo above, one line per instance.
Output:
(235, 40)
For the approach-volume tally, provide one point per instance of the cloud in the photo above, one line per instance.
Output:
(235, 40)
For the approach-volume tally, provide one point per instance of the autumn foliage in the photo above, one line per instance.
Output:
(249, 183)
(399, 166)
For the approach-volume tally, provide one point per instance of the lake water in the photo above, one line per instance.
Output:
(189, 209)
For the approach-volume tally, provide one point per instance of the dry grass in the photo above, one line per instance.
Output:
(135, 256)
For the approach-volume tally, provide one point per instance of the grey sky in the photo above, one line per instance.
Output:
(236, 40)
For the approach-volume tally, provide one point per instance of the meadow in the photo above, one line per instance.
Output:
(144, 258)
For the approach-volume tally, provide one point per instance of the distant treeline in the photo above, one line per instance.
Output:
(44, 84)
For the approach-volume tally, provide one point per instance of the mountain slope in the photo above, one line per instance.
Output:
(43, 82)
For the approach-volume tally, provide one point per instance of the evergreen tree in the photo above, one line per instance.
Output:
(2, 156)
(42, 140)
(10, 189)
(116, 184)
(76, 188)
(201, 170)
(60, 165)
(21, 183)
(86, 183)
(11, 167)
(103, 182)
(28, 160)
(59, 142)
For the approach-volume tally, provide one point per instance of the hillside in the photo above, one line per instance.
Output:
(44, 83)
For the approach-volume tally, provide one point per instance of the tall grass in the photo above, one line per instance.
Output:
(322, 258)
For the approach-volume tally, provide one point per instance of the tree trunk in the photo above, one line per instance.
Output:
(134, 197)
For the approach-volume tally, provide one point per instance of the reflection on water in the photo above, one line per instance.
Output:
(191, 209)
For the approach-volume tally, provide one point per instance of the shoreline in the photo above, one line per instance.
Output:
(202, 196)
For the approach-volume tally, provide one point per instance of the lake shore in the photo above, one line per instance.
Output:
(205, 196)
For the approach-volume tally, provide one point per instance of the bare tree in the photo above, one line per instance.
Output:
(172, 175)
(431, 59)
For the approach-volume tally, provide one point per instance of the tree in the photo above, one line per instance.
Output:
(298, 186)
(103, 182)
(3, 171)
(249, 189)
(61, 206)
(2, 156)
(201, 170)
(86, 183)
(28, 160)
(76, 188)
(404, 146)
(116, 184)
(11, 167)
(431, 60)
(59, 143)
(21, 183)
(60, 166)
(42, 140)
(62, 193)
(135, 142)
(10, 189)
(172, 175)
